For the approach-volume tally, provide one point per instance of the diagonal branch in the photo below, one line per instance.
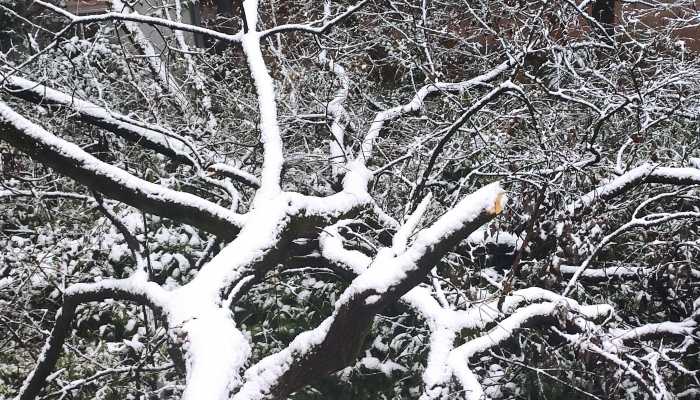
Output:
(336, 342)
(645, 173)
(70, 160)
(153, 137)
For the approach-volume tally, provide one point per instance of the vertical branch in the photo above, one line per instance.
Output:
(335, 107)
(267, 105)
(422, 39)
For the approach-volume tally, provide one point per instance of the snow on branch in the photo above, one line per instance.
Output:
(309, 28)
(331, 245)
(133, 289)
(337, 111)
(336, 342)
(155, 64)
(69, 159)
(157, 138)
(216, 352)
(655, 330)
(149, 136)
(431, 243)
(43, 195)
(645, 173)
(504, 330)
(193, 72)
(636, 221)
(267, 105)
(606, 273)
(235, 174)
(619, 272)
(585, 344)
(117, 16)
(416, 103)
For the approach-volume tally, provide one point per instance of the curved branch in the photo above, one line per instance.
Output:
(504, 87)
(235, 174)
(307, 28)
(68, 159)
(645, 173)
(417, 103)
(132, 289)
(553, 312)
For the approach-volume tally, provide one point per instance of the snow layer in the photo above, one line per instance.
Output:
(115, 174)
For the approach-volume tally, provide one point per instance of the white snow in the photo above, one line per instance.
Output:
(267, 105)
(387, 270)
(102, 169)
(166, 139)
(416, 104)
(386, 367)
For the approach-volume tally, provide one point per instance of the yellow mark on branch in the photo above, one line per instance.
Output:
(498, 205)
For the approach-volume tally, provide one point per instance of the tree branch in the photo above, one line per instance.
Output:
(68, 159)
(645, 173)
(336, 342)
(154, 138)
(307, 28)
(132, 289)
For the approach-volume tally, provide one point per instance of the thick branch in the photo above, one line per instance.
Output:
(645, 173)
(337, 341)
(267, 105)
(153, 138)
(68, 159)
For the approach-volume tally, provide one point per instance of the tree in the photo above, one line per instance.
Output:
(490, 199)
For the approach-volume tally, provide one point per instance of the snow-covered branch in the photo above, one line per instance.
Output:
(555, 311)
(637, 221)
(69, 159)
(267, 106)
(645, 173)
(132, 289)
(10, 193)
(131, 17)
(316, 30)
(416, 104)
(156, 138)
(159, 69)
(337, 340)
